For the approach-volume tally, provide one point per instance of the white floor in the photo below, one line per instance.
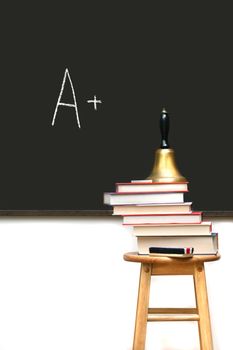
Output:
(64, 285)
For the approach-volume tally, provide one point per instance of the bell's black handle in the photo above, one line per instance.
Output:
(164, 128)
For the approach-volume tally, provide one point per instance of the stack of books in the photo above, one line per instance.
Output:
(161, 220)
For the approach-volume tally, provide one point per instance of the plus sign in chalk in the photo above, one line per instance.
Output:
(94, 101)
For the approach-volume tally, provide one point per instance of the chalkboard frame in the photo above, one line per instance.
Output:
(97, 213)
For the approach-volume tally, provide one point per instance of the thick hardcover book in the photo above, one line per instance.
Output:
(202, 245)
(187, 218)
(149, 186)
(115, 198)
(204, 228)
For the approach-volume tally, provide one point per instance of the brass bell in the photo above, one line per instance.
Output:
(165, 168)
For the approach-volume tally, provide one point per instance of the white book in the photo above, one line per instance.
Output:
(115, 198)
(206, 245)
(190, 218)
(139, 209)
(204, 228)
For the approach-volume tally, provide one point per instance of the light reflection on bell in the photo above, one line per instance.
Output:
(165, 168)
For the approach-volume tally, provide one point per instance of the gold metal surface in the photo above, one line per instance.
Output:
(165, 168)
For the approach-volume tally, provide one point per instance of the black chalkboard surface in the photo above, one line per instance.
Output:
(133, 59)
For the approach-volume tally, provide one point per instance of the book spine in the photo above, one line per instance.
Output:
(195, 213)
(147, 192)
(165, 250)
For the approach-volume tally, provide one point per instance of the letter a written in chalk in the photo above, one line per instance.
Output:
(59, 103)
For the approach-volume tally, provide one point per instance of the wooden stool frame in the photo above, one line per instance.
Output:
(155, 266)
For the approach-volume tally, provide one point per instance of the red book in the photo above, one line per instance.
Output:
(140, 209)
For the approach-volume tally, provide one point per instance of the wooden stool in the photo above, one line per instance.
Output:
(151, 266)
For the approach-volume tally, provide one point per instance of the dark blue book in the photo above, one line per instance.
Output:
(168, 250)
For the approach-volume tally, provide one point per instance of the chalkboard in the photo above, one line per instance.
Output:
(82, 88)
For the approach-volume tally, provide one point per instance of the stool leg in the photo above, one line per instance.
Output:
(142, 308)
(203, 308)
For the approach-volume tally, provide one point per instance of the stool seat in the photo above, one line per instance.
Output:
(150, 259)
(155, 265)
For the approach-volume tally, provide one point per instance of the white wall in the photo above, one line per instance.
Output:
(64, 285)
